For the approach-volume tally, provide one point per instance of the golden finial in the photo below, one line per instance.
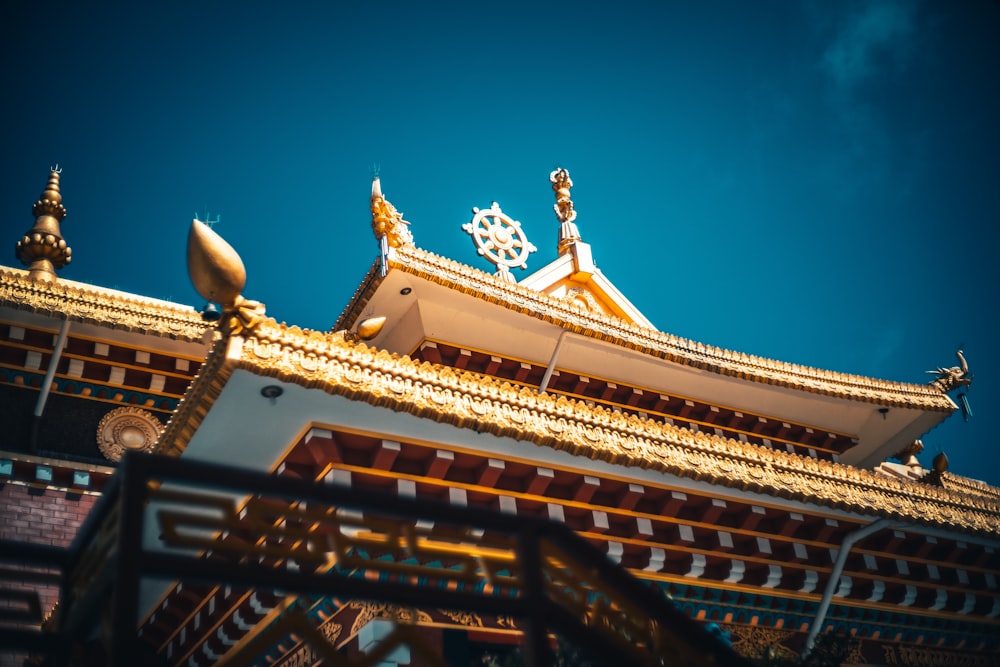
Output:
(908, 455)
(568, 233)
(387, 222)
(218, 275)
(43, 248)
(940, 462)
(370, 327)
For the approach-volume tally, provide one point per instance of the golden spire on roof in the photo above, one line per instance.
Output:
(568, 233)
(43, 249)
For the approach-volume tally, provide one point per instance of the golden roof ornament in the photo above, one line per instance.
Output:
(127, 429)
(954, 377)
(500, 239)
(908, 455)
(218, 275)
(568, 232)
(370, 327)
(366, 330)
(387, 222)
(43, 249)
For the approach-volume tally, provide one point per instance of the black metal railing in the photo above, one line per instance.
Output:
(179, 520)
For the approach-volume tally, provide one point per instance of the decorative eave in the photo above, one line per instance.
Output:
(199, 399)
(665, 346)
(330, 363)
(355, 308)
(79, 302)
(965, 485)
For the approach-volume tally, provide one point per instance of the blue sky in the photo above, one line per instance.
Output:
(813, 182)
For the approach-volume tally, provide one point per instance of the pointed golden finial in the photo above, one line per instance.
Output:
(387, 222)
(568, 233)
(43, 249)
(218, 275)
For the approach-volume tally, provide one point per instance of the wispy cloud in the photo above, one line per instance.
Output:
(876, 36)
(867, 50)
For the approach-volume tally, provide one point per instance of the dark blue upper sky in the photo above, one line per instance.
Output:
(816, 182)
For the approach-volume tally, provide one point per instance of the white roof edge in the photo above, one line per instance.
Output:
(563, 267)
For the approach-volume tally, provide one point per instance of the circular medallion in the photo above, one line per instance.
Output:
(127, 429)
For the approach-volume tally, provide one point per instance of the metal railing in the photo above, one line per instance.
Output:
(180, 520)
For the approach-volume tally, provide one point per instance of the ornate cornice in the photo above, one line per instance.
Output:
(970, 486)
(99, 306)
(662, 345)
(328, 362)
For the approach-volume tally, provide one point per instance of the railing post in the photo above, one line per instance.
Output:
(537, 651)
(125, 592)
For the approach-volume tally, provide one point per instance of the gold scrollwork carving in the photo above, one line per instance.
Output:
(370, 611)
(464, 618)
(96, 305)
(916, 656)
(758, 641)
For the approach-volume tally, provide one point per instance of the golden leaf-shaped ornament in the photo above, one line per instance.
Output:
(370, 327)
(215, 269)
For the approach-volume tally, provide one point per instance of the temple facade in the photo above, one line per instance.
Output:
(772, 505)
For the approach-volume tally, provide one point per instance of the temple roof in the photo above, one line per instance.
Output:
(450, 291)
(621, 332)
(332, 364)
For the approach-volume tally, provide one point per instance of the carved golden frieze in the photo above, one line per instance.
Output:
(918, 656)
(328, 362)
(758, 642)
(102, 307)
(464, 618)
(583, 300)
(665, 346)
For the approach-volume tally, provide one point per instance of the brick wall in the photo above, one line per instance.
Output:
(39, 516)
